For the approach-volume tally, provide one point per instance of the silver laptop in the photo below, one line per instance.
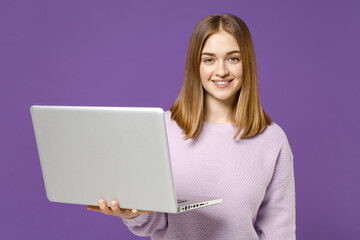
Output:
(110, 153)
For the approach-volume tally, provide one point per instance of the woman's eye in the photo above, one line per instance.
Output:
(234, 59)
(208, 60)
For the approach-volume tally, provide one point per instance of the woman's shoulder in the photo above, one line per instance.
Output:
(275, 129)
(274, 132)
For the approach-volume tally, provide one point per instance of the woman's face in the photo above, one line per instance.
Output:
(221, 67)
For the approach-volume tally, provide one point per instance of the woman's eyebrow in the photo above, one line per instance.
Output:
(212, 54)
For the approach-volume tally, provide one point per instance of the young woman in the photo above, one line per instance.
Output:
(223, 144)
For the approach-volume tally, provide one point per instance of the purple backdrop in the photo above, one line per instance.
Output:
(132, 53)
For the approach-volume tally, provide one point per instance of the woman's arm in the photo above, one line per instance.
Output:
(276, 215)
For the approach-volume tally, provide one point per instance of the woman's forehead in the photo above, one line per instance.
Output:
(221, 42)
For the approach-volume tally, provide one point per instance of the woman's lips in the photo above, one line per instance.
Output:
(217, 84)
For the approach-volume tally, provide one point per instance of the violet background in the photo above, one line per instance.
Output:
(133, 53)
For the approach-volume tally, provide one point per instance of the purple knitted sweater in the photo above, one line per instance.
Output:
(254, 177)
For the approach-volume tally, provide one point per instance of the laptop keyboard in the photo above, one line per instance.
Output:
(181, 200)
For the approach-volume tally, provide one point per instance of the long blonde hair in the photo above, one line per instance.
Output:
(247, 113)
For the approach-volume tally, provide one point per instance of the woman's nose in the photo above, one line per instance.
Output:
(221, 69)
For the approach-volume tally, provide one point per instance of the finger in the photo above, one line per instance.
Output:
(134, 211)
(131, 213)
(115, 208)
(137, 212)
(140, 211)
(124, 212)
(104, 208)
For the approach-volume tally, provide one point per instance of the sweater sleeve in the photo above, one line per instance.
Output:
(147, 223)
(276, 215)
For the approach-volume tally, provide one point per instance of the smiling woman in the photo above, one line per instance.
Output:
(253, 174)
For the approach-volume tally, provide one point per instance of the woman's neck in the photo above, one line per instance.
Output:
(218, 111)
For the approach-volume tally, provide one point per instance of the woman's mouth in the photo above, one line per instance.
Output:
(222, 84)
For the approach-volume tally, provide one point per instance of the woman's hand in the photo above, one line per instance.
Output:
(115, 210)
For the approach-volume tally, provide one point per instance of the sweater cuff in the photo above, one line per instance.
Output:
(137, 221)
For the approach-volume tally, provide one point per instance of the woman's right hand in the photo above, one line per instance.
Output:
(115, 210)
